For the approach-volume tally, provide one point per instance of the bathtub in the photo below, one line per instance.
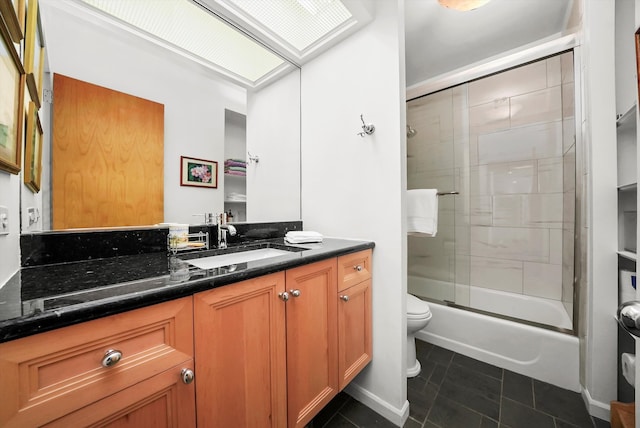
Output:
(546, 355)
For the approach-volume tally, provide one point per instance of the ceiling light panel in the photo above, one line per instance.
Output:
(300, 23)
(188, 27)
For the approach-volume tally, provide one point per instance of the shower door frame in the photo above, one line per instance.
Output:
(504, 62)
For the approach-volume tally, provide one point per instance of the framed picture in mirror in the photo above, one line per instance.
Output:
(33, 151)
(12, 78)
(198, 172)
(34, 52)
(13, 14)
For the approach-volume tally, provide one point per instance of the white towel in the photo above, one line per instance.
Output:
(422, 212)
(302, 237)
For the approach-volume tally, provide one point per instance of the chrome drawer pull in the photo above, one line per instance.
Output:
(187, 376)
(345, 298)
(111, 358)
(295, 293)
(284, 296)
(358, 268)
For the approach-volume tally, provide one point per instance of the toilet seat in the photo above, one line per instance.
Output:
(416, 308)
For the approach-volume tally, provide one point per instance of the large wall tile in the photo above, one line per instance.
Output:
(517, 81)
(507, 210)
(504, 178)
(490, 117)
(512, 243)
(543, 280)
(566, 62)
(542, 210)
(524, 143)
(497, 274)
(550, 175)
(536, 107)
(554, 71)
(481, 211)
(555, 246)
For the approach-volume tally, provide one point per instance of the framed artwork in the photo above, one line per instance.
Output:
(34, 52)
(13, 14)
(198, 172)
(33, 151)
(12, 82)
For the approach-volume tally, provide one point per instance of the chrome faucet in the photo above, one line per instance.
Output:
(223, 228)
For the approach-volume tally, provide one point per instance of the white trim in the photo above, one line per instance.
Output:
(512, 58)
(595, 408)
(378, 405)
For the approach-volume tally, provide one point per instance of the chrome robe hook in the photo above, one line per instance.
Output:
(367, 129)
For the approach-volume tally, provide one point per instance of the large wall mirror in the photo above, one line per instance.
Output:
(206, 115)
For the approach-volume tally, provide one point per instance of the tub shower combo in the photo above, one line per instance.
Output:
(498, 275)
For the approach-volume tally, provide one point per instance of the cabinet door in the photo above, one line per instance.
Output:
(163, 401)
(354, 330)
(312, 342)
(240, 354)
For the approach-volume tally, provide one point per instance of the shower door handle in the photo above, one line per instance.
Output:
(628, 316)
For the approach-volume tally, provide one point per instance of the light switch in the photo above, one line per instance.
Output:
(4, 220)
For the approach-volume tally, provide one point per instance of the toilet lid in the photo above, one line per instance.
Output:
(416, 306)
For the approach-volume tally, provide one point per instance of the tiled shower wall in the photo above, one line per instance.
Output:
(505, 142)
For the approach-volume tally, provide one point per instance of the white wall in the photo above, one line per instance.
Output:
(273, 134)
(10, 244)
(194, 98)
(598, 72)
(354, 187)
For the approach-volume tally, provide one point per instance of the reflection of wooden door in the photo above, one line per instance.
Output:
(107, 157)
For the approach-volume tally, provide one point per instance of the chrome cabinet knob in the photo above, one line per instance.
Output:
(284, 296)
(187, 376)
(111, 358)
(358, 268)
(344, 298)
(295, 293)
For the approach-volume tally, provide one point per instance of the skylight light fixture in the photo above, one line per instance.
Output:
(188, 27)
(463, 5)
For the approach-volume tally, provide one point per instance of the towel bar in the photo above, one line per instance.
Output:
(447, 193)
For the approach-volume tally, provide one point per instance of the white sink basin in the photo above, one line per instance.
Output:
(235, 258)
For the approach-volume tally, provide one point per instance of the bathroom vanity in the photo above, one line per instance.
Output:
(263, 343)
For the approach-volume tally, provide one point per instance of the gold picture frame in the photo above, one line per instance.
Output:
(34, 52)
(13, 13)
(33, 150)
(12, 82)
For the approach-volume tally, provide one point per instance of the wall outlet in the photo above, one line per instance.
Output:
(4, 220)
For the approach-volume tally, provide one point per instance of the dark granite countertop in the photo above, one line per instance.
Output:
(42, 298)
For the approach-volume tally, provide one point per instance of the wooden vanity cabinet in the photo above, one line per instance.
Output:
(63, 373)
(312, 340)
(241, 355)
(354, 315)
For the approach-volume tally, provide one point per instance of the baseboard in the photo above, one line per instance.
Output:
(378, 405)
(596, 408)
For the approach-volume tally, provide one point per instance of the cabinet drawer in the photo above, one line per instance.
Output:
(353, 269)
(58, 372)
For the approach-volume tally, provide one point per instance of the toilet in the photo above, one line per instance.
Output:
(418, 316)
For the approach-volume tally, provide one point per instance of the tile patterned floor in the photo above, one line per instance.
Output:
(454, 391)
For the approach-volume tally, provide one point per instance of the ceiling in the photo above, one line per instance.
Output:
(438, 40)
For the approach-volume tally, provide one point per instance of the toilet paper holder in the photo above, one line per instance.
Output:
(628, 316)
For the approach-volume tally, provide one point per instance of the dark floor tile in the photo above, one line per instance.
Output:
(478, 366)
(518, 388)
(412, 423)
(488, 423)
(446, 413)
(439, 372)
(561, 403)
(430, 425)
(362, 416)
(600, 423)
(427, 368)
(517, 415)
(463, 377)
(423, 348)
(420, 402)
(440, 356)
(417, 383)
(471, 398)
(329, 410)
(338, 421)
